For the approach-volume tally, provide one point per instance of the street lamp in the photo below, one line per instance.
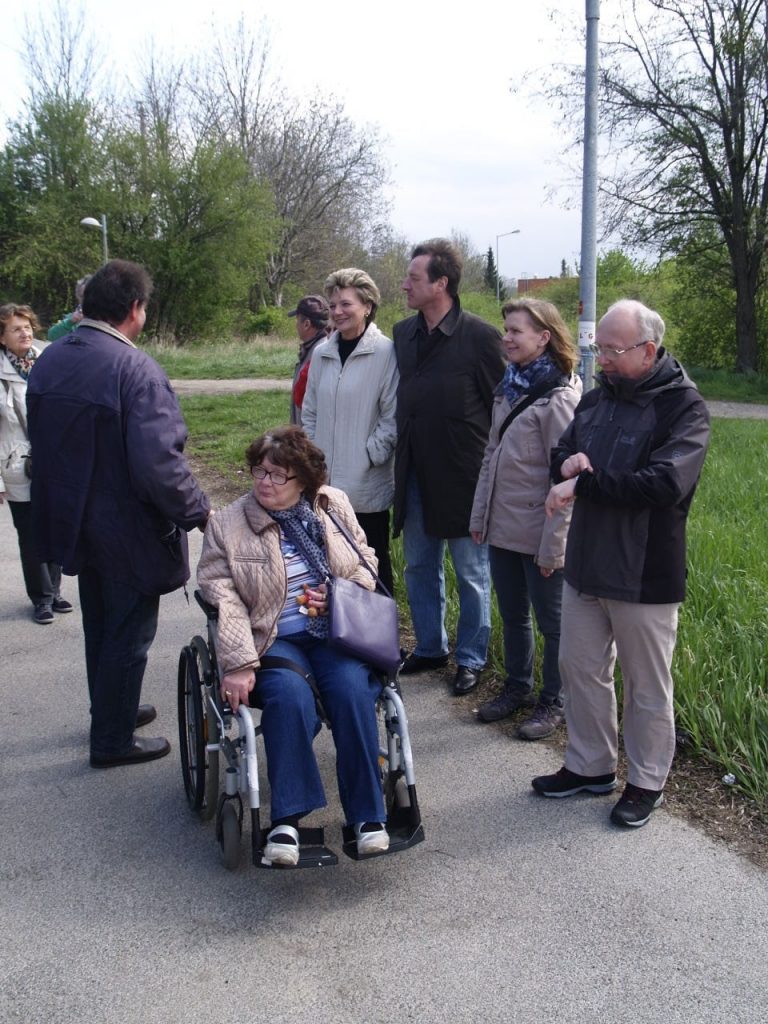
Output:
(91, 222)
(498, 280)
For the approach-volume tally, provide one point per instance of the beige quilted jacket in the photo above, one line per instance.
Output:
(242, 571)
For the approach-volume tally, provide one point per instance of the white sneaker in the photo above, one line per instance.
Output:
(282, 846)
(375, 838)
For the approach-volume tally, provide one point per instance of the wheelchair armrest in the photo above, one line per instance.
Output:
(211, 612)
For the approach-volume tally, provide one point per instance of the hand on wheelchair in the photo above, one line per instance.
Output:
(236, 686)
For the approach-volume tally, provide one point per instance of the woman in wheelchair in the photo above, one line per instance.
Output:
(264, 562)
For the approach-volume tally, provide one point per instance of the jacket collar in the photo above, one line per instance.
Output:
(102, 325)
(259, 519)
(366, 344)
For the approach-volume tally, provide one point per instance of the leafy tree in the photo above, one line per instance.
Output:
(50, 167)
(683, 103)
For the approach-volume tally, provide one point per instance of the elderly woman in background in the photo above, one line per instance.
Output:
(17, 357)
(533, 405)
(349, 406)
(264, 563)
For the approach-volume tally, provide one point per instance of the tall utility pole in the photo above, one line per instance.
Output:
(498, 280)
(588, 274)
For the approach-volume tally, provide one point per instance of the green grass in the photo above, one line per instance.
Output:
(273, 358)
(222, 427)
(725, 386)
(720, 666)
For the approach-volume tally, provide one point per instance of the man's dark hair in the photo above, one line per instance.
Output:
(112, 291)
(445, 261)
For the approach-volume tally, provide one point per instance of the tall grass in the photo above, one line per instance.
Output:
(228, 359)
(720, 661)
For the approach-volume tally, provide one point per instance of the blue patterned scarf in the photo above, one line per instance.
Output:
(304, 530)
(518, 381)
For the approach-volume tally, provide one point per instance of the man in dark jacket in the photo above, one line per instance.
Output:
(313, 315)
(449, 362)
(631, 461)
(113, 497)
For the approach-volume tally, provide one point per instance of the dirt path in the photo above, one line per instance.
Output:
(724, 410)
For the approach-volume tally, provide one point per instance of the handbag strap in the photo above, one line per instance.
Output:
(543, 389)
(350, 540)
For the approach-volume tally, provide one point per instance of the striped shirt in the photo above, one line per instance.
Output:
(292, 618)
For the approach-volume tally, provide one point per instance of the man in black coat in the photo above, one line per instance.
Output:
(630, 462)
(113, 497)
(449, 362)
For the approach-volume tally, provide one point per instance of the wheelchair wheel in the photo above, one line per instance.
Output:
(229, 835)
(200, 767)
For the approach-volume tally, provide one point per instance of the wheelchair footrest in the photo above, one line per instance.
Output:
(313, 853)
(402, 836)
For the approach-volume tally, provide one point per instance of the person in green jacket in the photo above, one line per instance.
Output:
(71, 320)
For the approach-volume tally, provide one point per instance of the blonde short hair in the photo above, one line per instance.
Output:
(364, 285)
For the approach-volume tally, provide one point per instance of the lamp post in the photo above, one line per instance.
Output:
(498, 280)
(91, 222)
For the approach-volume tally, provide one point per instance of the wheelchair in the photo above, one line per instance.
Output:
(212, 736)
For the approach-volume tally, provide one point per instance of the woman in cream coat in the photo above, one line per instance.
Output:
(533, 405)
(349, 406)
(17, 357)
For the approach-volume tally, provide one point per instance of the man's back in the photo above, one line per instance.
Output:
(111, 485)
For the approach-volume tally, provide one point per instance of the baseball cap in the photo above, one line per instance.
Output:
(314, 308)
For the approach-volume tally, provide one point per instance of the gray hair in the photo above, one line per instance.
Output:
(649, 324)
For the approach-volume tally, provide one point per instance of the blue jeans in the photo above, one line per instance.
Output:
(290, 723)
(119, 624)
(519, 584)
(425, 582)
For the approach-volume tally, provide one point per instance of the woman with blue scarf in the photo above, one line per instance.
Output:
(17, 357)
(534, 403)
(266, 561)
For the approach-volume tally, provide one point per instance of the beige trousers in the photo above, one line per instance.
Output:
(593, 632)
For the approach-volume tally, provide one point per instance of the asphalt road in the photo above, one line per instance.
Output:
(114, 908)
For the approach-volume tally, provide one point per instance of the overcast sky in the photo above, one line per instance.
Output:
(465, 151)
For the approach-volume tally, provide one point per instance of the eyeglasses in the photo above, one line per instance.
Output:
(277, 478)
(606, 352)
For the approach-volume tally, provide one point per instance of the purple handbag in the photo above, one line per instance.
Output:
(363, 623)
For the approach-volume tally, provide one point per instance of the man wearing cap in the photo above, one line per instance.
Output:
(312, 318)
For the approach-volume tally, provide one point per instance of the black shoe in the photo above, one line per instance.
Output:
(145, 715)
(61, 606)
(566, 783)
(636, 804)
(510, 699)
(141, 750)
(417, 663)
(42, 615)
(465, 680)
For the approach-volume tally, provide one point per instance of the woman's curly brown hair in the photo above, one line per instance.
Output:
(10, 310)
(291, 449)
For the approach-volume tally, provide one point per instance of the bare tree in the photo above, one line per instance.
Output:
(684, 106)
(326, 173)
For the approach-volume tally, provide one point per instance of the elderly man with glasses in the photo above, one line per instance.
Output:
(630, 462)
